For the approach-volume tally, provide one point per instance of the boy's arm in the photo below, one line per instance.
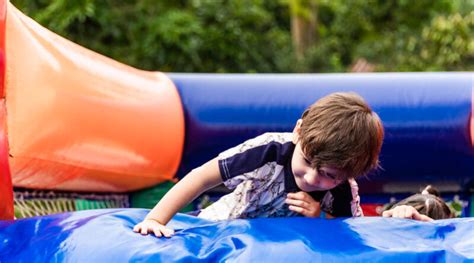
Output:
(185, 191)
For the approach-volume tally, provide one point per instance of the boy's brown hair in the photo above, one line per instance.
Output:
(340, 130)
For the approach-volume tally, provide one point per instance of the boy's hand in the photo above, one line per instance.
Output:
(303, 203)
(150, 225)
(405, 211)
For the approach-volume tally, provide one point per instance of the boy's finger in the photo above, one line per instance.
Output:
(296, 209)
(395, 213)
(426, 218)
(295, 195)
(423, 218)
(136, 228)
(167, 232)
(296, 202)
(157, 232)
(300, 195)
(144, 231)
(409, 213)
(301, 211)
(387, 213)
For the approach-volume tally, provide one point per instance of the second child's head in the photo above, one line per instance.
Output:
(428, 203)
(337, 138)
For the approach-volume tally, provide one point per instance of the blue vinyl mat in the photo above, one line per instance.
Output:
(106, 236)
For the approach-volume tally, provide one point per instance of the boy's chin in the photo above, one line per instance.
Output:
(308, 188)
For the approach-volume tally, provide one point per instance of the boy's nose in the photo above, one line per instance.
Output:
(311, 178)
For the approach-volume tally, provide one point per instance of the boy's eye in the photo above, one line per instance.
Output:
(322, 173)
(307, 161)
(330, 176)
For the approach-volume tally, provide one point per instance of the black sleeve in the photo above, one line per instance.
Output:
(337, 201)
(252, 159)
(318, 195)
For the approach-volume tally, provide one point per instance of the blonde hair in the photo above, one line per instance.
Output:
(341, 130)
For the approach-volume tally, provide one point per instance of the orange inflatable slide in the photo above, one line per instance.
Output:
(86, 121)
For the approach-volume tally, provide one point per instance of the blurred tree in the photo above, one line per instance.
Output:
(182, 36)
(304, 23)
(442, 39)
(447, 43)
(256, 35)
(383, 33)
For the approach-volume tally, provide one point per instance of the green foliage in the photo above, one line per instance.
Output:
(457, 206)
(447, 43)
(390, 34)
(193, 36)
(254, 35)
(444, 43)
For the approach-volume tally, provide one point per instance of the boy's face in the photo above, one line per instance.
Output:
(309, 179)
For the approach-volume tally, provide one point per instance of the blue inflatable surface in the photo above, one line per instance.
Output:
(106, 236)
(426, 117)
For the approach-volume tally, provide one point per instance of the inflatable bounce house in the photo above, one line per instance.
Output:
(79, 130)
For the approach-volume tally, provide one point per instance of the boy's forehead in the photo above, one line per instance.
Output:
(329, 169)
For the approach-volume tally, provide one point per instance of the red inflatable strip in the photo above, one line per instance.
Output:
(6, 194)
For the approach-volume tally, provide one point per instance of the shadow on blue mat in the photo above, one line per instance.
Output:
(107, 236)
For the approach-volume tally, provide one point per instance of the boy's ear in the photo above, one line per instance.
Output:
(296, 131)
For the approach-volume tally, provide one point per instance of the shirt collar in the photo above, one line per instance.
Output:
(290, 183)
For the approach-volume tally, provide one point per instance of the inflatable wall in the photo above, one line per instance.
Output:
(72, 237)
(426, 116)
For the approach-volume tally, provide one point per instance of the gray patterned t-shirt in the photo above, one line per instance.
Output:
(259, 173)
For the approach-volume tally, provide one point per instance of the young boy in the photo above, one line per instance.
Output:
(337, 139)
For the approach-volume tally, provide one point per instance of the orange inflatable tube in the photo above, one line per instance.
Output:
(79, 121)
